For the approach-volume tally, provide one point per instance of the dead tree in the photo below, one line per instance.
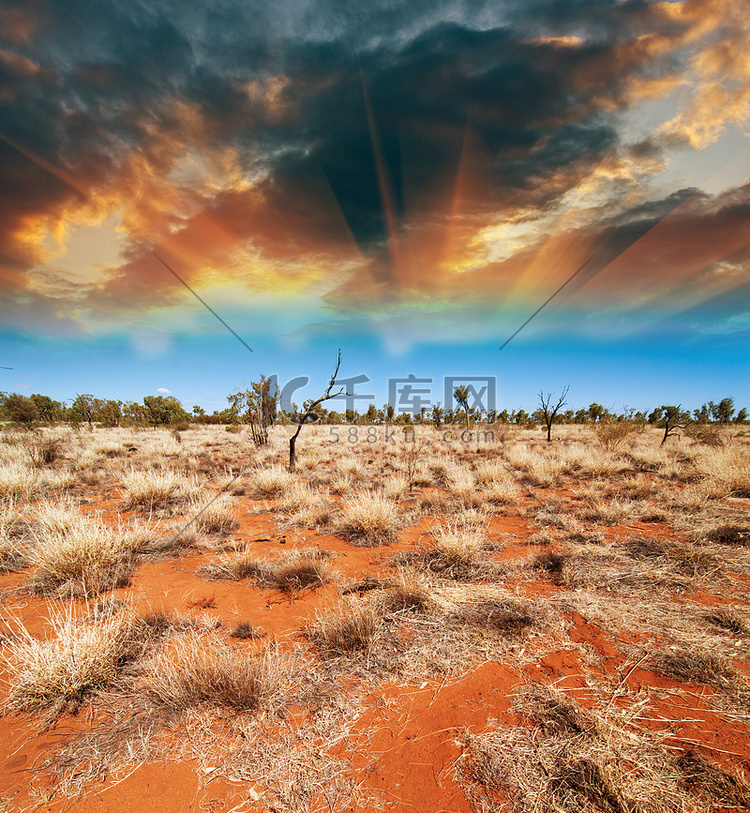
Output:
(310, 411)
(549, 412)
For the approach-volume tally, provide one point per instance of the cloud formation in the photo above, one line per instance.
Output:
(415, 155)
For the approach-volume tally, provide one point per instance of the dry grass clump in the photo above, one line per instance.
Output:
(503, 492)
(700, 668)
(690, 499)
(565, 759)
(341, 484)
(235, 568)
(395, 488)
(14, 534)
(703, 777)
(407, 592)
(550, 563)
(507, 616)
(245, 631)
(730, 534)
(729, 619)
(587, 461)
(272, 481)
(608, 512)
(604, 569)
(460, 483)
(354, 629)
(17, 481)
(217, 517)
(299, 570)
(44, 450)
(77, 554)
(157, 490)
(724, 471)
(681, 557)
(83, 657)
(456, 550)
(299, 498)
(613, 434)
(368, 520)
(193, 673)
(540, 469)
(488, 472)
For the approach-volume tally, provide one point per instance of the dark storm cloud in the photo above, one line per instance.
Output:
(377, 103)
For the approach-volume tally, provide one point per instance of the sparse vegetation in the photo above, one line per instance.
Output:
(353, 629)
(610, 565)
(77, 554)
(369, 519)
(190, 674)
(58, 674)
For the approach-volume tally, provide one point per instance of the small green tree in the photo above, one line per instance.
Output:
(83, 407)
(437, 416)
(461, 394)
(723, 411)
(20, 409)
(108, 412)
(257, 406)
(49, 410)
(596, 412)
(163, 411)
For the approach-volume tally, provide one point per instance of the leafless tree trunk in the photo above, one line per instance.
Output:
(311, 411)
(549, 412)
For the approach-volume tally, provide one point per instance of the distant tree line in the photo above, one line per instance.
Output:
(258, 408)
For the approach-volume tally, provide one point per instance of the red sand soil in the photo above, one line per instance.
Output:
(410, 730)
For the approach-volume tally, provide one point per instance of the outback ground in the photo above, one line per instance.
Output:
(406, 622)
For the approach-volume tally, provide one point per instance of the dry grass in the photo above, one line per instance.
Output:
(369, 520)
(158, 490)
(353, 629)
(705, 669)
(443, 611)
(408, 592)
(76, 554)
(192, 673)
(729, 619)
(14, 536)
(609, 512)
(217, 517)
(56, 675)
(703, 777)
(506, 616)
(272, 481)
(241, 566)
(18, 481)
(458, 551)
(566, 759)
(730, 534)
(680, 557)
(299, 570)
(299, 498)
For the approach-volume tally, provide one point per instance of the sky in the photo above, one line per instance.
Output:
(539, 193)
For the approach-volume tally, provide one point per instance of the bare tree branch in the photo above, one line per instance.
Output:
(549, 412)
(327, 395)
